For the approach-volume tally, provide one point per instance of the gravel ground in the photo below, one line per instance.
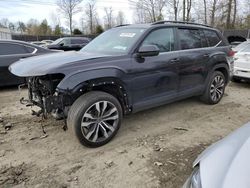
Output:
(154, 148)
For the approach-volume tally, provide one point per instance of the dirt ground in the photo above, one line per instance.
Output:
(149, 151)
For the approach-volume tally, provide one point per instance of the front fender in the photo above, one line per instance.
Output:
(73, 80)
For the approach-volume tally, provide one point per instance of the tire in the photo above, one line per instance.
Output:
(95, 118)
(235, 79)
(215, 88)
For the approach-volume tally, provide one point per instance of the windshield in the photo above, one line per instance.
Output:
(57, 41)
(117, 41)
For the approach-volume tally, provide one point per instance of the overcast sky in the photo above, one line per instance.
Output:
(23, 10)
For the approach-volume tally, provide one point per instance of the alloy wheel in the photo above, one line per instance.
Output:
(217, 88)
(99, 121)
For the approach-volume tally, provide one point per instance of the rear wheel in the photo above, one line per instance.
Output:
(215, 88)
(95, 118)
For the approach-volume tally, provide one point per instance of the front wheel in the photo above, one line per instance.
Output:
(95, 118)
(215, 88)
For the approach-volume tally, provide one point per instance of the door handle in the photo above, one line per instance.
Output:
(206, 55)
(176, 60)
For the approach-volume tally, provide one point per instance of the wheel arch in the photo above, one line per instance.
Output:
(112, 85)
(224, 69)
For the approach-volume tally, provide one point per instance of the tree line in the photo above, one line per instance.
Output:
(223, 14)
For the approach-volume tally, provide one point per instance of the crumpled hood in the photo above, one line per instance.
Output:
(43, 64)
(226, 163)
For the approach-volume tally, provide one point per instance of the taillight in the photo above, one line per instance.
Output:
(231, 53)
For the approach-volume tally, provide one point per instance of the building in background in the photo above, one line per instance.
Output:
(5, 33)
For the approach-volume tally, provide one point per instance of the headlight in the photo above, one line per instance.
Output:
(194, 181)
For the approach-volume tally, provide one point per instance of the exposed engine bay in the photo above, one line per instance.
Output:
(43, 93)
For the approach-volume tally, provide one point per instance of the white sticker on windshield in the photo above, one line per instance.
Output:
(120, 47)
(130, 35)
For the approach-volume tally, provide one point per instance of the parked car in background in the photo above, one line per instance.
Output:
(241, 46)
(11, 51)
(235, 43)
(242, 63)
(69, 43)
(47, 41)
(225, 164)
(38, 43)
(128, 69)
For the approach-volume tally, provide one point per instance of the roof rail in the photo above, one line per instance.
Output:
(179, 22)
(122, 25)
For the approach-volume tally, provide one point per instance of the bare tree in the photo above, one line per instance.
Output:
(186, 10)
(229, 10)
(189, 6)
(21, 27)
(152, 8)
(174, 4)
(55, 19)
(4, 22)
(108, 17)
(141, 15)
(176, 8)
(120, 18)
(90, 12)
(235, 13)
(213, 11)
(69, 8)
(205, 11)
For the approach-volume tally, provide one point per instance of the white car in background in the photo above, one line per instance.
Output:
(242, 62)
(225, 164)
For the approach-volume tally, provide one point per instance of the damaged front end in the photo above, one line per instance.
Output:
(43, 93)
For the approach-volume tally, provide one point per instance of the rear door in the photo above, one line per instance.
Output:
(10, 53)
(193, 59)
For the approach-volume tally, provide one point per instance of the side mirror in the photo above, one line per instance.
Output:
(148, 50)
(61, 44)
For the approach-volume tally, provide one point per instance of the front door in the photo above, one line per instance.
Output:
(155, 79)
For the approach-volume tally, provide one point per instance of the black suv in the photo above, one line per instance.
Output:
(69, 43)
(125, 70)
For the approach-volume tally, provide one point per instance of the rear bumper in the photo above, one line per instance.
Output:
(241, 73)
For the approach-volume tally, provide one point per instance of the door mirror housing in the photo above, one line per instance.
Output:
(148, 50)
(61, 44)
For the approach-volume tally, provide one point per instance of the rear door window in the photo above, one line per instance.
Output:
(189, 38)
(162, 38)
(11, 49)
(212, 38)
